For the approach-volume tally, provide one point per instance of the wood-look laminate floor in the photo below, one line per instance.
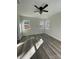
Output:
(50, 49)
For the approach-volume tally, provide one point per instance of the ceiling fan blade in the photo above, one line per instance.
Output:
(45, 6)
(36, 6)
(45, 10)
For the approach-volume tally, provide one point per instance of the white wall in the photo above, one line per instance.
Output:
(35, 24)
(55, 26)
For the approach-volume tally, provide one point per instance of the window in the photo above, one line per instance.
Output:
(44, 24)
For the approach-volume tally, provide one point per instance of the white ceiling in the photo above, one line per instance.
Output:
(26, 8)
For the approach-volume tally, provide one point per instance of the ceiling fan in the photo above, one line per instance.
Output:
(41, 8)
